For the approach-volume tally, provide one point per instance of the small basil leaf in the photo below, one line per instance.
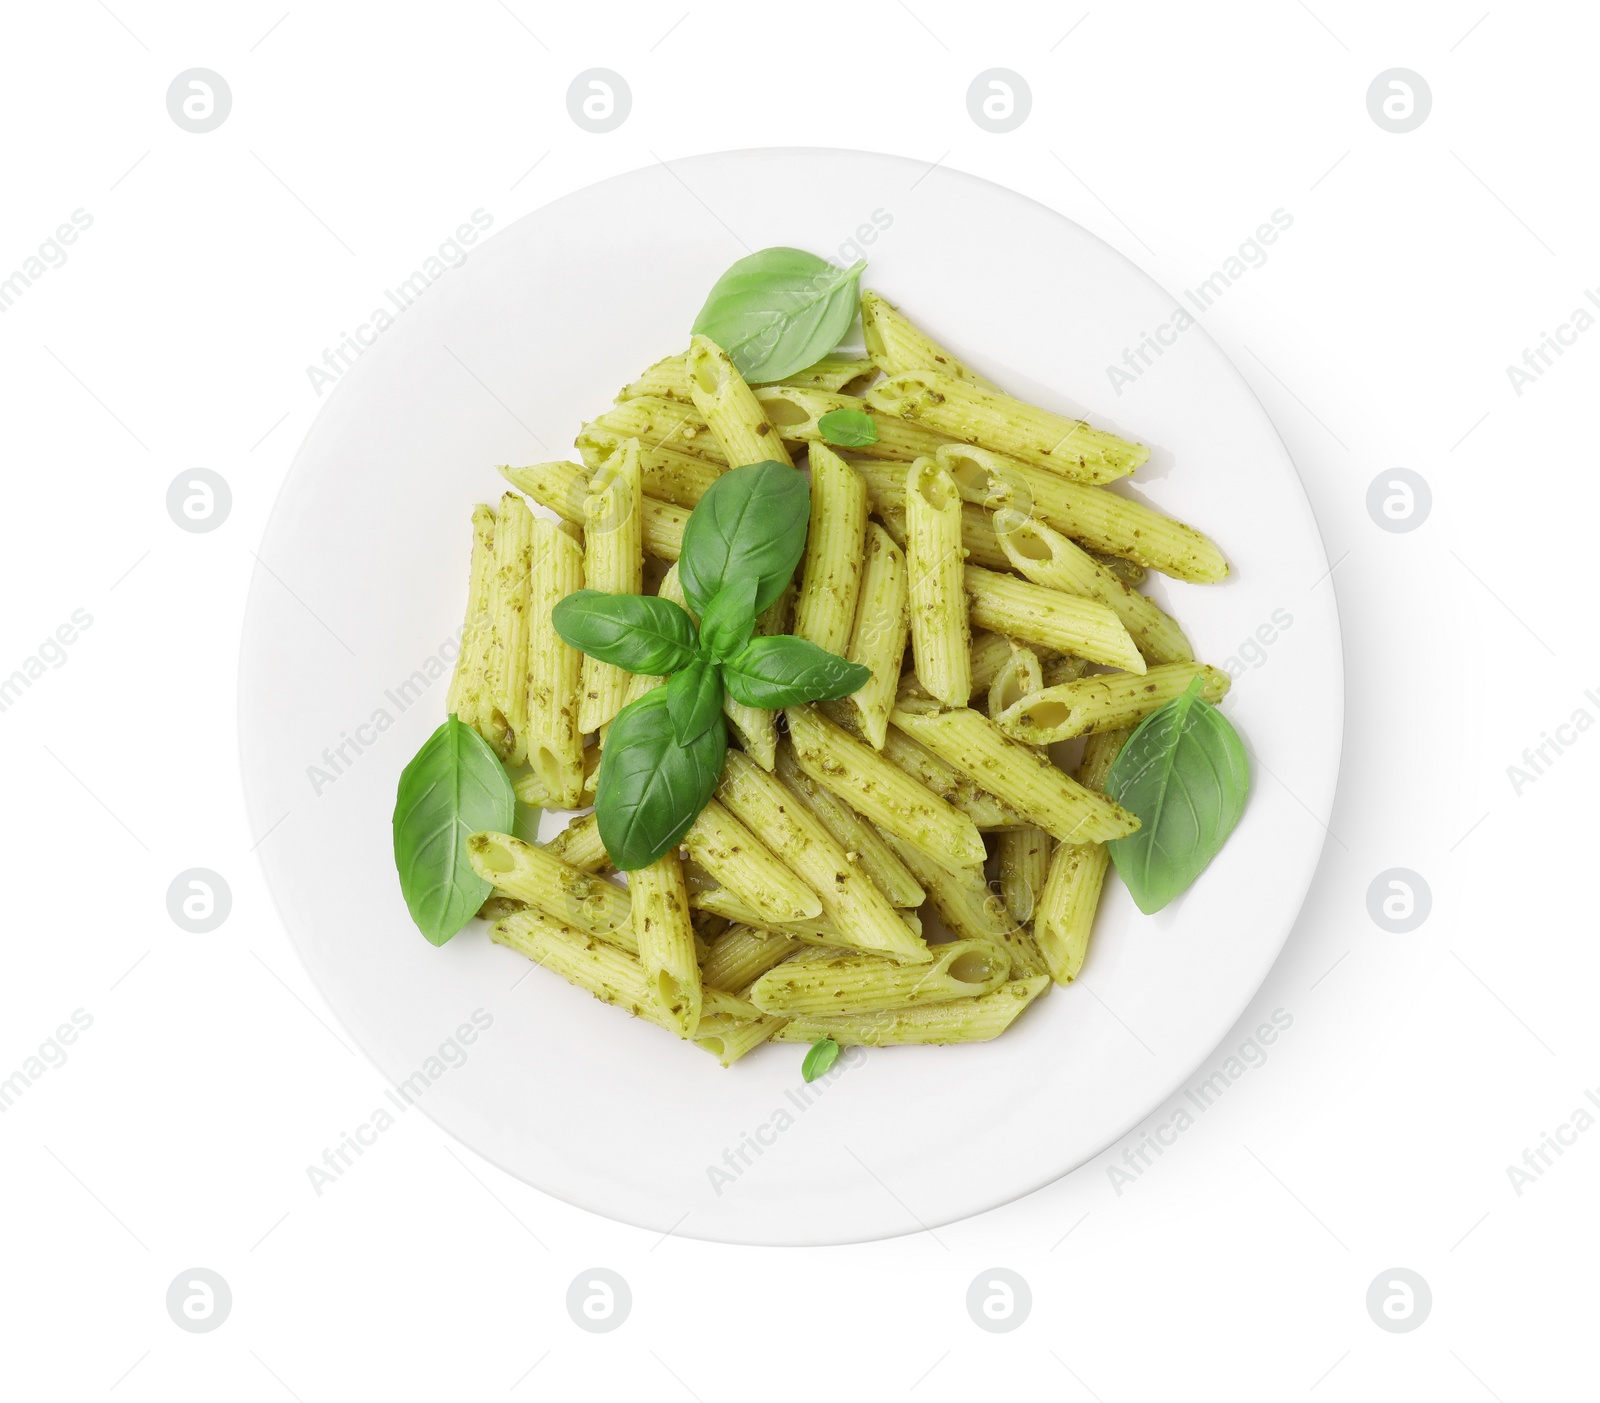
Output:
(454, 786)
(694, 699)
(819, 1057)
(848, 428)
(785, 671)
(730, 618)
(650, 788)
(751, 521)
(639, 632)
(779, 311)
(1185, 775)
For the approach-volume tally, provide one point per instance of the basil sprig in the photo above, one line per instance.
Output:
(694, 699)
(730, 618)
(454, 786)
(784, 671)
(652, 786)
(750, 523)
(1185, 774)
(819, 1057)
(634, 631)
(848, 428)
(780, 310)
(664, 752)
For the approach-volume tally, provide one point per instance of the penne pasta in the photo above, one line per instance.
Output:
(614, 564)
(554, 739)
(883, 794)
(731, 411)
(971, 909)
(663, 526)
(795, 414)
(978, 537)
(732, 854)
(897, 346)
(477, 635)
(1129, 572)
(819, 930)
(719, 901)
(666, 942)
(959, 1021)
(834, 375)
(1064, 669)
(830, 580)
(988, 813)
(1048, 558)
(940, 639)
(990, 652)
(728, 1039)
(1105, 703)
(1068, 623)
(878, 636)
(841, 983)
(661, 423)
(960, 410)
(857, 911)
(1024, 865)
(668, 378)
(861, 842)
(579, 845)
(503, 703)
(741, 955)
(1017, 773)
(1023, 853)
(562, 487)
(607, 971)
(539, 878)
(1064, 920)
(1017, 677)
(1095, 517)
(665, 473)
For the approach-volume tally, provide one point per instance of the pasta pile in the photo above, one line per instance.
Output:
(971, 557)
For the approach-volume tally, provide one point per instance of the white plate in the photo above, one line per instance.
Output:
(365, 564)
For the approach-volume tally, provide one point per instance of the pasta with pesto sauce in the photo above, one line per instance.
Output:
(915, 862)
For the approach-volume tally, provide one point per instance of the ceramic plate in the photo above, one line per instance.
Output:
(354, 611)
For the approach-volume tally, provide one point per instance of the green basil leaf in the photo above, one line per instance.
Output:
(784, 671)
(454, 786)
(1185, 775)
(751, 521)
(639, 632)
(780, 310)
(730, 618)
(848, 428)
(694, 699)
(650, 788)
(819, 1057)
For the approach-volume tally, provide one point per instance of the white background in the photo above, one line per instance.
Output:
(1418, 1067)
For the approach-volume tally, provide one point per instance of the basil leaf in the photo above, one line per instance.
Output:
(751, 521)
(1185, 774)
(819, 1058)
(650, 788)
(779, 311)
(454, 786)
(784, 671)
(848, 428)
(639, 632)
(730, 618)
(694, 699)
